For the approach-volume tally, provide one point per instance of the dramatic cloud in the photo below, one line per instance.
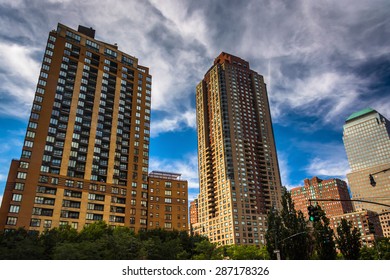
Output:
(321, 60)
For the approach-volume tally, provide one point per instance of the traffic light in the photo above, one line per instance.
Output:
(313, 212)
(372, 181)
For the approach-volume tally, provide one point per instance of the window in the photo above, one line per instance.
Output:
(17, 197)
(110, 52)
(22, 175)
(26, 154)
(47, 224)
(30, 134)
(12, 221)
(23, 165)
(92, 44)
(45, 168)
(35, 222)
(14, 208)
(168, 200)
(28, 144)
(19, 186)
(32, 125)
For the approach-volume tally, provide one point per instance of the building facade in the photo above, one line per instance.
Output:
(367, 222)
(168, 201)
(366, 139)
(86, 148)
(238, 168)
(317, 188)
(194, 211)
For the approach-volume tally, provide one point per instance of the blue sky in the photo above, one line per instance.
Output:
(321, 60)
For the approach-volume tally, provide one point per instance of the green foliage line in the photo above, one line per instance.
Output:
(100, 242)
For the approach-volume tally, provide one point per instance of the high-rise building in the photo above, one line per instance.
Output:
(367, 144)
(85, 154)
(317, 188)
(168, 201)
(238, 167)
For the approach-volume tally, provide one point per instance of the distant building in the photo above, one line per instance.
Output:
(316, 188)
(168, 201)
(239, 177)
(85, 155)
(367, 222)
(367, 144)
(194, 211)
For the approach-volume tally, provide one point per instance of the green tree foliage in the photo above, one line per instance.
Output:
(325, 245)
(51, 238)
(239, 252)
(288, 232)
(20, 245)
(206, 250)
(98, 241)
(348, 240)
(380, 250)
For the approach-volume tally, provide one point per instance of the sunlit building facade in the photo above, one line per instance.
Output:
(168, 201)
(238, 168)
(329, 189)
(367, 144)
(86, 151)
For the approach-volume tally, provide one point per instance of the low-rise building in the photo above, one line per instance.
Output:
(167, 201)
(366, 221)
(331, 189)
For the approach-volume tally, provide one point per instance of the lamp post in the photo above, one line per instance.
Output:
(277, 251)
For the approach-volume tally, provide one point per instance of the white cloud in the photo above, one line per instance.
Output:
(187, 167)
(18, 81)
(325, 95)
(175, 122)
(328, 159)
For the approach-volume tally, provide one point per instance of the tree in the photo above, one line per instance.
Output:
(20, 244)
(241, 252)
(205, 250)
(49, 239)
(274, 233)
(325, 245)
(94, 231)
(348, 240)
(380, 250)
(288, 232)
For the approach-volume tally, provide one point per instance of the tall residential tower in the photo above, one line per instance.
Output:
(86, 149)
(238, 168)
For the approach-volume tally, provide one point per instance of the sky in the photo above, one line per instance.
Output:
(321, 61)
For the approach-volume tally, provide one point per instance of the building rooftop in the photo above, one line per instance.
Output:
(360, 114)
(165, 175)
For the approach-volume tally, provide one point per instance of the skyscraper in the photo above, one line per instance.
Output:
(367, 144)
(238, 168)
(85, 154)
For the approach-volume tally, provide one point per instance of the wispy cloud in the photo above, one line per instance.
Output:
(187, 167)
(328, 159)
